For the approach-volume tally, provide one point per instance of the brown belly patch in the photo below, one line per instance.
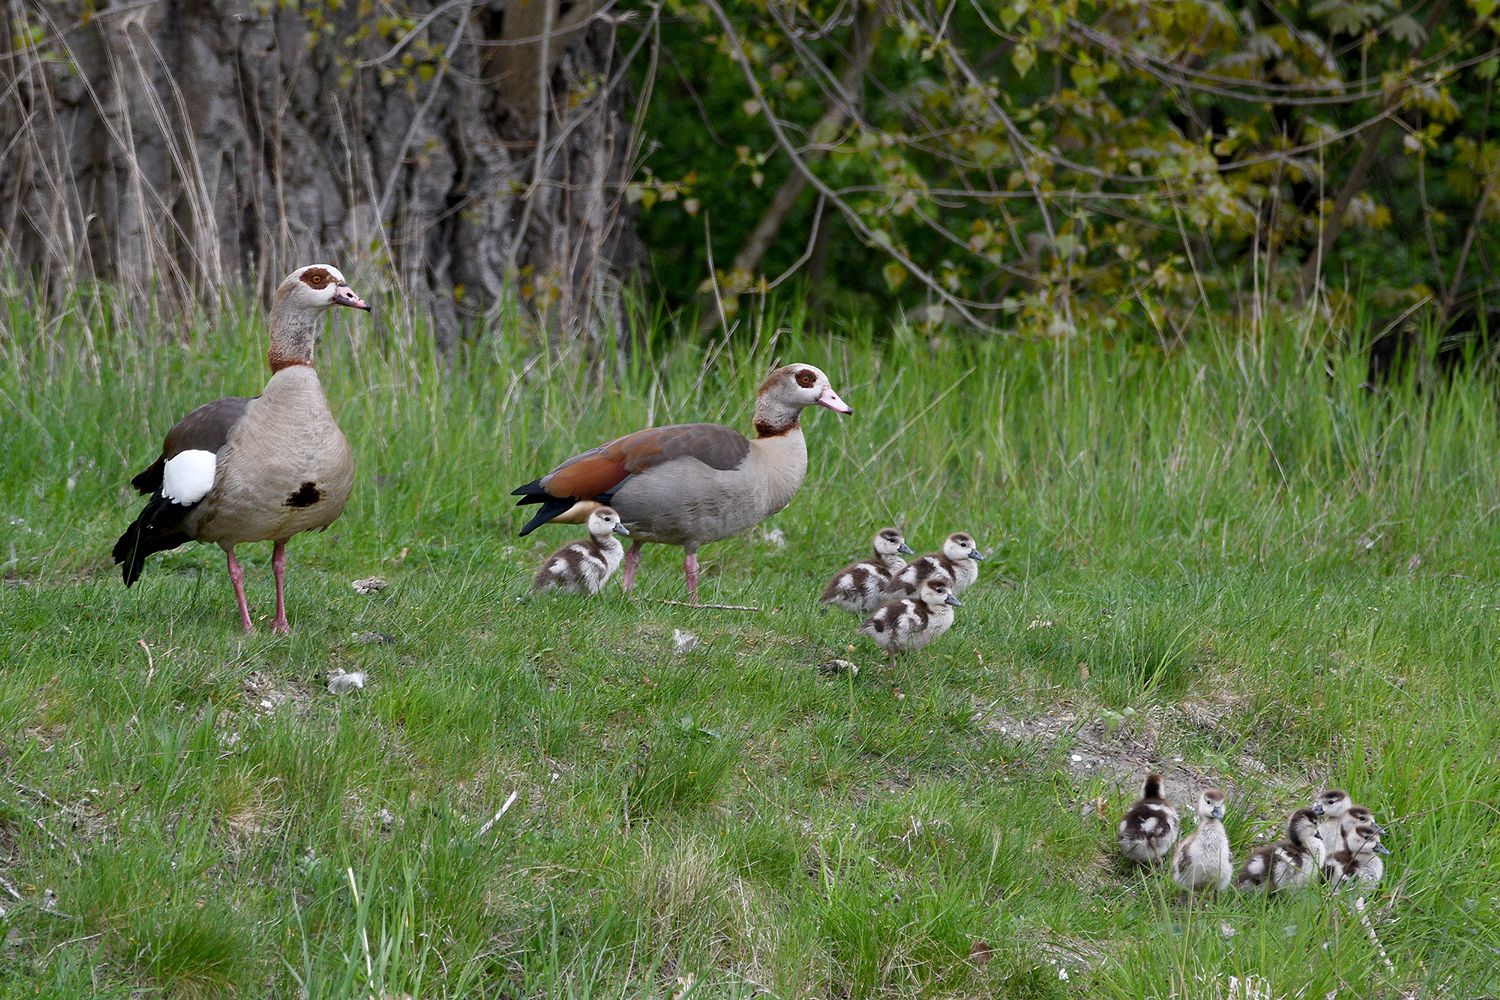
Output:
(305, 496)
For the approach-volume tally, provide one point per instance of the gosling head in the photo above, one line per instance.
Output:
(890, 542)
(1356, 815)
(938, 590)
(1210, 805)
(1302, 827)
(961, 545)
(1333, 803)
(1152, 788)
(1366, 838)
(605, 521)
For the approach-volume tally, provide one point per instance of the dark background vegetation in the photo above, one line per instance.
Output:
(1056, 167)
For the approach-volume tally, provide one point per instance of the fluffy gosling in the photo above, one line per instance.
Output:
(1149, 828)
(585, 566)
(1359, 864)
(1203, 858)
(857, 587)
(1290, 863)
(908, 624)
(959, 559)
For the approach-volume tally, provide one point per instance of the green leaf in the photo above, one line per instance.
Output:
(1023, 58)
(894, 274)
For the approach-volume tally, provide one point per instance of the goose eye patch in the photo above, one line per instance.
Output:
(805, 378)
(317, 278)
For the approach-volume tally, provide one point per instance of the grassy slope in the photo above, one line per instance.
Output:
(1287, 577)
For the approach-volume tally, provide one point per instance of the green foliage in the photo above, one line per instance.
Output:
(1046, 164)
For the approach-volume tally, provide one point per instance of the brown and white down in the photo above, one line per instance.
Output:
(857, 587)
(1339, 816)
(1202, 858)
(254, 469)
(1149, 828)
(909, 623)
(1291, 863)
(691, 484)
(1359, 864)
(959, 559)
(585, 566)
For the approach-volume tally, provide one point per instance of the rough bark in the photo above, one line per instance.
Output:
(177, 146)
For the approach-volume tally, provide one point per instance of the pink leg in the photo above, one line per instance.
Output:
(690, 570)
(632, 560)
(278, 567)
(237, 577)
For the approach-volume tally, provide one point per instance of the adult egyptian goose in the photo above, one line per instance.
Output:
(1358, 865)
(857, 586)
(1202, 858)
(1149, 828)
(254, 469)
(691, 484)
(908, 624)
(959, 559)
(1287, 864)
(585, 566)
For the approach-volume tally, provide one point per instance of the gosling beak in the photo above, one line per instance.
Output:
(1381, 849)
(950, 599)
(620, 529)
(906, 550)
(1218, 812)
(830, 399)
(1317, 808)
(977, 556)
(343, 295)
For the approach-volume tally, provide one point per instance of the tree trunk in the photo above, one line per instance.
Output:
(177, 146)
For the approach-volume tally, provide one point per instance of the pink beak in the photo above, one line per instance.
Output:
(830, 399)
(343, 295)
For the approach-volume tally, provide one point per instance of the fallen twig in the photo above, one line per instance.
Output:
(498, 813)
(717, 607)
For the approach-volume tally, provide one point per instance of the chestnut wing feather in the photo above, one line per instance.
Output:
(596, 473)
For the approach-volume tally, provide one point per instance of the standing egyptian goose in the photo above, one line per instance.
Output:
(908, 624)
(959, 559)
(1358, 864)
(585, 566)
(857, 586)
(1149, 828)
(691, 484)
(1202, 858)
(1287, 864)
(254, 469)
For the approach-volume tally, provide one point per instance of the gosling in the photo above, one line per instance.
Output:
(908, 624)
(1149, 829)
(585, 566)
(1359, 864)
(1203, 858)
(959, 559)
(1291, 863)
(1339, 816)
(857, 587)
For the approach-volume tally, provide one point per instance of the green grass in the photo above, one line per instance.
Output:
(1236, 555)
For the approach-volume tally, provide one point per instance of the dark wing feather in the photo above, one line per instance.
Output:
(205, 429)
(158, 527)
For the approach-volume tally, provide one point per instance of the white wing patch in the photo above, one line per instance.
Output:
(188, 476)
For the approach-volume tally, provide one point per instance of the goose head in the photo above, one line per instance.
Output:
(961, 545)
(1356, 815)
(604, 521)
(788, 391)
(890, 542)
(302, 297)
(1365, 838)
(937, 590)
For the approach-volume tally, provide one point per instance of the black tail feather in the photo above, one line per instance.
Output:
(156, 530)
(551, 507)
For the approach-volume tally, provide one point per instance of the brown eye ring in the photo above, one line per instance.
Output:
(806, 378)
